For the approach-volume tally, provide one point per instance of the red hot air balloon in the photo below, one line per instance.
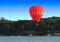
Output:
(36, 13)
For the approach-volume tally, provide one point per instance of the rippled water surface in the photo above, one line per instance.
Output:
(29, 38)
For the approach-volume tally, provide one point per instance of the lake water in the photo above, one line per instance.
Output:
(29, 38)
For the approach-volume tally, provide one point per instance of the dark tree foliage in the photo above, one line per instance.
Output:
(49, 25)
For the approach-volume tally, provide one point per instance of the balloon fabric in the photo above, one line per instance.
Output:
(36, 13)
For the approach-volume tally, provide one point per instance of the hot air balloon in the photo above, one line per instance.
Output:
(36, 13)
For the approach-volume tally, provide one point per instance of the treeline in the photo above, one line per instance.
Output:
(49, 25)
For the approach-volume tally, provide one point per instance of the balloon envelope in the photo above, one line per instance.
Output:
(36, 13)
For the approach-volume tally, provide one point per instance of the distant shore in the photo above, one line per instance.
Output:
(47, 26)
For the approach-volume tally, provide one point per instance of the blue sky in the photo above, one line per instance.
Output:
(19, 9)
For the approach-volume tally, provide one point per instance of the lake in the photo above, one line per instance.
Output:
(29, 38)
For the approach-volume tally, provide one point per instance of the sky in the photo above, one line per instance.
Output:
(19, 9)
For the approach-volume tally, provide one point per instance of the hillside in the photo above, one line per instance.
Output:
(48, 25)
